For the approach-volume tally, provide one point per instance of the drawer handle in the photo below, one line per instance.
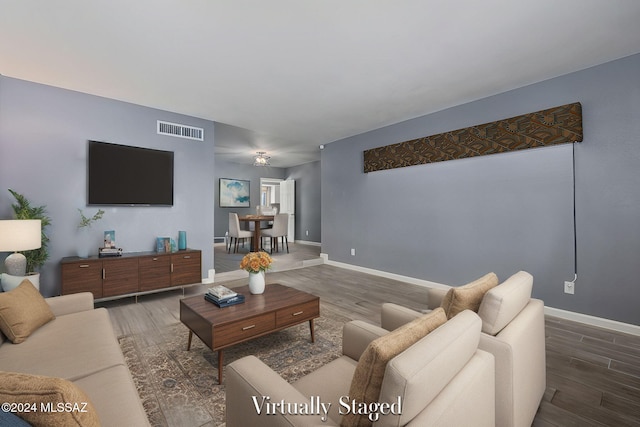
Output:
(84, 266)
(155, 259)
(246, 328)
(187, 257)
(297, 313)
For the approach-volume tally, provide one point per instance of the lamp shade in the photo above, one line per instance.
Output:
(20, 234)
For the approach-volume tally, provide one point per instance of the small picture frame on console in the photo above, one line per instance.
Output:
(163, 244)
(110, 239)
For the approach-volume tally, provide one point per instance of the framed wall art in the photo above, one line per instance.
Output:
(234, 193)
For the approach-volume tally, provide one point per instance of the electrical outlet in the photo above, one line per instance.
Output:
(569, 288)
(307, 232)
(353, 252)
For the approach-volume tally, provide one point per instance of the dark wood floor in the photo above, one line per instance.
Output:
(593, 375)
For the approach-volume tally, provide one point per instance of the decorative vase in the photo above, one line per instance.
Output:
(256, 283)
(182, 240)
(84, 242)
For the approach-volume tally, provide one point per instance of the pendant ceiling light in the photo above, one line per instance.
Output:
(261, 159)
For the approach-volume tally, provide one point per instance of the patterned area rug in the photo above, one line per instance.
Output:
(180, 388)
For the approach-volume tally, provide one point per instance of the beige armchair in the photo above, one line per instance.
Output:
(441, 380)
(513, 331)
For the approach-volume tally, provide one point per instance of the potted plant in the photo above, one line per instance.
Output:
(36, 258)
(84, 224)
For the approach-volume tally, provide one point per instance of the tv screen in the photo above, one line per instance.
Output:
(130, 176)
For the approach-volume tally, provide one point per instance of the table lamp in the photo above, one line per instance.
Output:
(19, 235)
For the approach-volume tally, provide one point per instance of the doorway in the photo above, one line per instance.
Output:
(280, 193)
(270, 191)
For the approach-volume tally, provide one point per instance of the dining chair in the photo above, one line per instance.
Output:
(235, 232)
(280, 229)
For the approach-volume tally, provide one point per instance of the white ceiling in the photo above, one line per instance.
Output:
(294, 74)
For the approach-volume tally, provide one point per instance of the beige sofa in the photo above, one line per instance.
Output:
(441, 380)
(79, 345)
(513, 331)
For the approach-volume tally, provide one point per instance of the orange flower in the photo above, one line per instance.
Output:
(255, 262)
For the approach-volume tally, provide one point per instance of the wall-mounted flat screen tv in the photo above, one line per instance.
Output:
(129, 176)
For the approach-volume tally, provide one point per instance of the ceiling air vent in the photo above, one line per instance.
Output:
(180, 131)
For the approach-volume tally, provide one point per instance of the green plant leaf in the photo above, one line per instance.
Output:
(22, 209)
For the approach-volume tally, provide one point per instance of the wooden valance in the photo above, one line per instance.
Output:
(558, 125)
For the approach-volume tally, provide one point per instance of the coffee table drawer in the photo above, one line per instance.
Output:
(296, 314)
(243, 330)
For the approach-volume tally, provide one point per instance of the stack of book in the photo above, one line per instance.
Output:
(105, 252)
(223, 296)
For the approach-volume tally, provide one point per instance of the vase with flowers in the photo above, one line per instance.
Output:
(256, 263)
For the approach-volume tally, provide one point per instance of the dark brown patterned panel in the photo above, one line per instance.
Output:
(558, 125)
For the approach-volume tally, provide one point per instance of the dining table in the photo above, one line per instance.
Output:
(256, 219)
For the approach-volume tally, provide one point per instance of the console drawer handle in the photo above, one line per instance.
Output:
(297, 313)
(246, 328)
(187, 257)
(84, 266)
(155, 259)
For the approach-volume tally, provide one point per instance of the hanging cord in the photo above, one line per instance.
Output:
(575, 232)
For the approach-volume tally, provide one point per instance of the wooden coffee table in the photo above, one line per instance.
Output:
(279, 307)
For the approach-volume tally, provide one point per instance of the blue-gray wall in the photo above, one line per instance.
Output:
(454, 221)
(43, 148)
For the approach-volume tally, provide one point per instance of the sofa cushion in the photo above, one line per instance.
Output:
(47, 393)
(114, 397)
(330, 382)
(70, 346)
(469, 296)
(369, 373)
(502, 304)
(22, 311)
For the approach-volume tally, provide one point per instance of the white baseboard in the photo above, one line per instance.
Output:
(385, 274)
(310, 262)
(307, 242)
(599, 322)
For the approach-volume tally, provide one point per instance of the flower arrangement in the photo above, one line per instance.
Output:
(255, 262)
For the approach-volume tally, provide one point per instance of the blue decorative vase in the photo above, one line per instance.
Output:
(182, 240)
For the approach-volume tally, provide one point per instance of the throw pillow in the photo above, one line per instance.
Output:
(369, 373)
(58, 402)
(469, 296)
(22, 311)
